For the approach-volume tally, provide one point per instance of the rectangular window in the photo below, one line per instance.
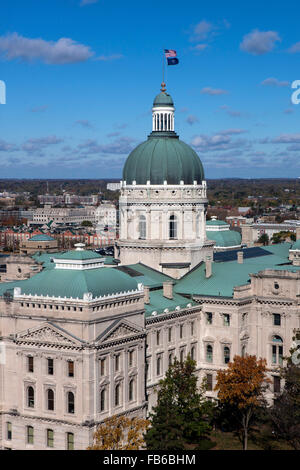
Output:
(130, 358)
(102, 367)
(276, 384)
(30, 365)
(70, 369)
(157, 338)
(8, 431)
(276, 319)
(209, 318)
(117, 362)
(192, 328)
(30, 435)
(50, 438)
(274, 358)
(50, 366)
(170, 335)
(209, 382)
(226, 319)
(181, 331)
(70, 441)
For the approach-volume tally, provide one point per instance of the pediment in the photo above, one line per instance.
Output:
(118, 331)
(48, 334)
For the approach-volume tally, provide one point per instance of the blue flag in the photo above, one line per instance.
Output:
(173, 61)
(171, 56)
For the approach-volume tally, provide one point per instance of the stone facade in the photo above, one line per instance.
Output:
(86, 348)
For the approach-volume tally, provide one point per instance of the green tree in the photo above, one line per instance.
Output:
(264, 239)
(180, 418)
(285, 413)
(86, 223)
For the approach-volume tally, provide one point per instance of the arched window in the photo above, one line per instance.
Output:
(102, 400)
(142, 227)
(30, 397)
(209, 353)
(71, 402)
(170, 359)
(277, 350)
(226, 354)
(117, 395)
(130, 390)
(50, 399)
(173, 227)
(243, 350)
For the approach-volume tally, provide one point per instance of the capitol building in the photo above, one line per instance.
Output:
(84, 337)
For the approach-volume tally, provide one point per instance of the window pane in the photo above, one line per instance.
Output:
(30, 397)
(209, 382)
(50, 438)
(71, 407)
(209, 353)
(29, 435)
(50, 366)
(9, 431)
(70, 368)
(277, 319)
(70, 441)
(30, 364)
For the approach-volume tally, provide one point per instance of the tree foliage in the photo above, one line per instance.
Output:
(120, 433)
(180, 417)
(241, 389)
(285, 413)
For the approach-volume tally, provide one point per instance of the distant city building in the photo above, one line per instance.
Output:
(252, 232)
(106, 214)
(113, 186)
(70, 199)
(43, 215)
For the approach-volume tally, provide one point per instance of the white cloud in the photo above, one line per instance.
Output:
(191, 119)
(63, 51)
(259, 42)
(274, 82)
(213, 91)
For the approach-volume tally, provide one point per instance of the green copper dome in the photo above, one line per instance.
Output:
(163, 157)
(163, 99)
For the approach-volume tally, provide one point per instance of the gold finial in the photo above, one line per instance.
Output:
(163, 87)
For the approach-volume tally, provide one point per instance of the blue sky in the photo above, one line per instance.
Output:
(81, 76)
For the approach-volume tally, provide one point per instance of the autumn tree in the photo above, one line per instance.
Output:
(180, 417)
(120, 433)
(241, 389)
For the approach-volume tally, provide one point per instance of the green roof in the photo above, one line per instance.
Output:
(74, 283)
(163, 158)
(226, 238)
(41, 238)
(78, 255)
(296, 245)
(158, 303)
(215, 222)
(163, 99)
(230, 274)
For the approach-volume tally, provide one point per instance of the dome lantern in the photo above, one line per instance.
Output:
(163, 112)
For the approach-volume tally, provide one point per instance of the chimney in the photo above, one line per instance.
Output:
(146, 294)
(168, 289)
(240, 257)
(208, 267)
